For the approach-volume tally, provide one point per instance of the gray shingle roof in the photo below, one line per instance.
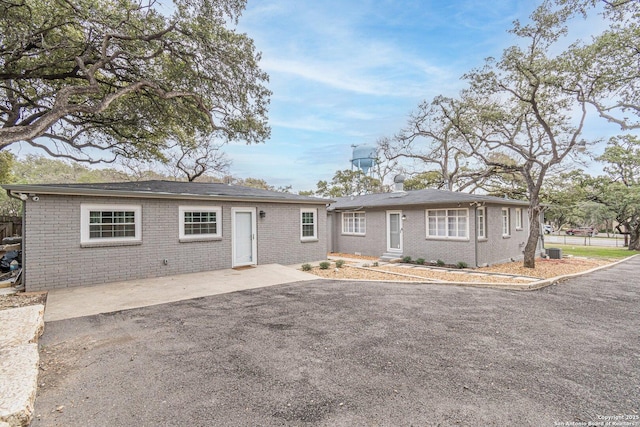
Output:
(179, 189)
(427, 197)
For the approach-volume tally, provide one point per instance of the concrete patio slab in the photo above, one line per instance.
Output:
(85, 301)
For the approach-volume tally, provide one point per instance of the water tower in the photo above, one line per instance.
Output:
(363, 158)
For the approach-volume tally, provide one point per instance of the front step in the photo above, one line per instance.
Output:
(391, 257)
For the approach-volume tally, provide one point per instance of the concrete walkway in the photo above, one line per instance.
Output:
(81, 301)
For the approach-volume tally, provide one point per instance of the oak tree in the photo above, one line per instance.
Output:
(431, 143)
(607, 64)
(92, 80)
(620, 189)
(525, 107)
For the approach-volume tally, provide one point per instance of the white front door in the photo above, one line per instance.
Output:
(243, 241)
(394, 231)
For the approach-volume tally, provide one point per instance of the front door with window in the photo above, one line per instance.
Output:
(394, 231)
(244, 236)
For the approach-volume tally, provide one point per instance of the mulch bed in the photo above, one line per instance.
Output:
(544, 269)
(22, 299)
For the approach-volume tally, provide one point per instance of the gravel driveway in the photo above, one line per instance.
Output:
(340, 353)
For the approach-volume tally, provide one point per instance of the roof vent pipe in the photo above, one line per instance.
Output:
(398, 183)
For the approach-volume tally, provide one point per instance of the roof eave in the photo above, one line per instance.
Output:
(67, 191)
(437, 203)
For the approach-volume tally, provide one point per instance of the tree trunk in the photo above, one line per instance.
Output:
(634, 239)
(534, 235)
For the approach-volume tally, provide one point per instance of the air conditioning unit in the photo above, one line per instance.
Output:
(554, 253)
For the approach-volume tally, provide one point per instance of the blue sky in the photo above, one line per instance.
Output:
(347, 72)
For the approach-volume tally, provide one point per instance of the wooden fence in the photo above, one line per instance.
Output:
(10, 226)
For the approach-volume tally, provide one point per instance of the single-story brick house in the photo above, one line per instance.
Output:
(430, 224)
(83, 234)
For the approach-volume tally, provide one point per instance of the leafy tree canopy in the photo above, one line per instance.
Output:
(620, 190)
(348, 183)
(256, 183)
(607, 66)
(83, 78)
(7, 161)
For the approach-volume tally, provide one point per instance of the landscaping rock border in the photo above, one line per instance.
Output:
(19, 359)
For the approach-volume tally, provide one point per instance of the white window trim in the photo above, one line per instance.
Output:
(85, 214)
(351, 233)
(481, 218)
(519, 219)
(447, 237)
(315, 225)
(508, 224)
(209, 236)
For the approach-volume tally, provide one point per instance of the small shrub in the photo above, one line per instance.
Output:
(440, 263)
(375, 263)
(340, 263)
(306, 267)
(420, 261)
(324, 265)
(406, 259)
(462, 264)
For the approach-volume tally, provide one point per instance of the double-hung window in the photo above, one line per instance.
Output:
(104, 224)
(354, 223)
(506, 222)
(200, 222)
(308, 224)
(448, 223)
(519, 219)
(481, 215)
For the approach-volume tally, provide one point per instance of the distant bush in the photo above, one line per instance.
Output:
(440, 263)
(462, 264)
(375, 263)
(406, 259)
(420, 261)
(324, 265)
(306, 267)
(367, 265)
(340, 263)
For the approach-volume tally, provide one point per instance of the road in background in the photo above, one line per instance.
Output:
(562, 239)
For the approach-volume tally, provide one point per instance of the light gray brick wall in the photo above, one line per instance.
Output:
(54, 257)
(279, 235)
(416, 245)
(373, 243)
(497, 249)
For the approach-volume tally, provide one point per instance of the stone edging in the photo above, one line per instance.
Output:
(19, 361)
(543, 283)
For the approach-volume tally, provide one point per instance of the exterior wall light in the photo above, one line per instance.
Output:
(262, 214)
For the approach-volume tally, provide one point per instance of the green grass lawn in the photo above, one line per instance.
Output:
(593, 251)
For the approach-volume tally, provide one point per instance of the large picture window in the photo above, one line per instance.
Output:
(308, 224)
(110, 223)
(200, 222)
(448, 223)
(353, 223)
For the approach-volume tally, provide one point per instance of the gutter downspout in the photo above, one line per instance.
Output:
(23, 198)
(475, 236)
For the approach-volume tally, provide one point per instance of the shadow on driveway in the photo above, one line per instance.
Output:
(340, 353)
